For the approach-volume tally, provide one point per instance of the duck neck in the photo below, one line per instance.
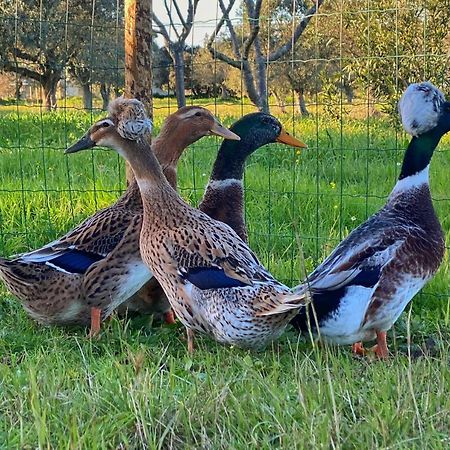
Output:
(224, 195)
(146, 167)
(131, 198)
(167, 148)
(416, 162)
(230, 161)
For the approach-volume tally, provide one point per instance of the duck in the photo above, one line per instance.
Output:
(82, 277)
(224, 194)
(223, 198)
(363, 286)
(213, 281)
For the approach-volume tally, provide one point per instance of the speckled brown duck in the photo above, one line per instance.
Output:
(83, 276)
(213, 281)
(224, 195)
(361, 289)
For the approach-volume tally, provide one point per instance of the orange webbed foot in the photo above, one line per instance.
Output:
(190, 340)
(358, 349)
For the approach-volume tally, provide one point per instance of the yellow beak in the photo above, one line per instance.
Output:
(287, 139)
(220, 130)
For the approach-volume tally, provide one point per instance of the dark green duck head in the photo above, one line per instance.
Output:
(255, 130)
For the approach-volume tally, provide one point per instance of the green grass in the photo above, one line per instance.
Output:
(136, 387)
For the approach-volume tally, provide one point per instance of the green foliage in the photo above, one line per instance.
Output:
(99, 56)
(138, 388)
(39, 40)
(398, 42)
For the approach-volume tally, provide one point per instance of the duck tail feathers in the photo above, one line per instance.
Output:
(301, 289)
(289, 302)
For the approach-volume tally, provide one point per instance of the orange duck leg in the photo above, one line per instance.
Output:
(381, 348)
(95, 322)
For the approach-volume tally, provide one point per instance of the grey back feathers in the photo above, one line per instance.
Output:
(130, 117)
(420, 107)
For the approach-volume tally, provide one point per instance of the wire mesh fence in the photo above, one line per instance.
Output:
(332, 71)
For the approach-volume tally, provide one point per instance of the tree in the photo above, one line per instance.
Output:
(176, 47)
(49, 37)
(9, 86)
(38, 48)
(100, 59)
(161, 62)
(314, 64)
(209, 78)
(404, 41)
(249, 54)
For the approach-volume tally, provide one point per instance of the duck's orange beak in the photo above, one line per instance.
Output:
(220, 130)
(286, 138)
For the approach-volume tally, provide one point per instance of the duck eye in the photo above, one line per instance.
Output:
(105, 124)
(198, 114)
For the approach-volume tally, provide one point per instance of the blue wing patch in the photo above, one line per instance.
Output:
(211, 278)
(75, 261)
(368, 277)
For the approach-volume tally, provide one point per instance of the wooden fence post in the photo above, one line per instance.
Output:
(138, 55)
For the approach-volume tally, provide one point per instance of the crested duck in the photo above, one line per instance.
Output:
(224, 194)
(361, 289)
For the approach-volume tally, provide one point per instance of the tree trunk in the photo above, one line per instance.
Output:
(263, 100)
(87, 96)
(225, 94)
(301, 102)
(138, 54)
(62, 89)
(178, 61)
(348, 92)
(49, 86)
(138, 57)
(261, 73)
(249, 82)
(280, 102)
(105, 93)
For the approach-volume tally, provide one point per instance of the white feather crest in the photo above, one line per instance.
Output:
(130, 117)
(419, 107)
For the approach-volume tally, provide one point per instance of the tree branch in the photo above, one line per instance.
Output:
(24, 55)
(281, 51)
(233, 35)
(180, 16)
(219, 55)
(225, 14)
(7, 66)
(169, 15)
(192, 9)
(254, 12)
(234, 41)
(162, 30)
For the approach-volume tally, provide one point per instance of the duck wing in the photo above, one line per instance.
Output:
(361, 265)
(86, 244)
(215, 258)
